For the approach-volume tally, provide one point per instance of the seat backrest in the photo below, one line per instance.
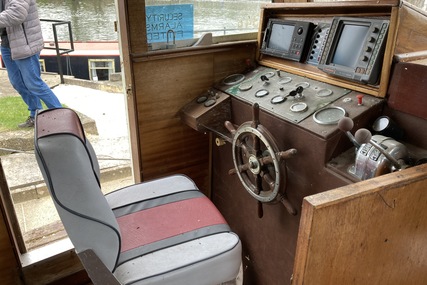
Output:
(71, 172)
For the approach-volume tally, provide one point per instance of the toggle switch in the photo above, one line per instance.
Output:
(360, 99)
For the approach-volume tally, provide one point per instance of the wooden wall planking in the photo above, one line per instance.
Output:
(411, 35)
(165, 84)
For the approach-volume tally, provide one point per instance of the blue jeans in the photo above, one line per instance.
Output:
(25, 77)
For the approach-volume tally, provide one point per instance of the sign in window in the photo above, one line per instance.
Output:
(168, 23)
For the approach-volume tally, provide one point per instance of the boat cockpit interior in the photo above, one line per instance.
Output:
(316, 111)
(309, 139)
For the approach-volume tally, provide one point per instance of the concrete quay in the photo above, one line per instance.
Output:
(101, 107)
(85, 97)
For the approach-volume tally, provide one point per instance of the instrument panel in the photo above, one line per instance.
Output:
(287, 96)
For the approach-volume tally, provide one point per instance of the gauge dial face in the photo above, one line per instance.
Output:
(381, 124)
(261, 93)
(202, 99)
(233, 79)
(324, 92)
(329, 116)
(285, 80)
(245, 86)
(269, 74)
(298, 107)
(303, 85)
(278, 99)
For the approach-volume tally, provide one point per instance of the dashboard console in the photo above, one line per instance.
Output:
(299, 123)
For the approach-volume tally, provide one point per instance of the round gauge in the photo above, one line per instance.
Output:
(278, 99)
(269, 74)
(329, 115)
(261, 93)
(245, 86)
(298, 107)
(324, 92)
(210, 102)
(303, 85)
(202, 99)
(233, 79)
(381, 124)
(285, 80)
(385, 126)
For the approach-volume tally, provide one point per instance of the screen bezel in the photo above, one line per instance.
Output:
(338, 35)
(297, 51)
(269, 31)
(371, 51)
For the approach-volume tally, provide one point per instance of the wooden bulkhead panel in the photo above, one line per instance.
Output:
(9, 261)
(372, 232)
(412, 32)
(164, 84)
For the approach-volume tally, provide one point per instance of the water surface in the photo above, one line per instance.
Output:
(93, 20)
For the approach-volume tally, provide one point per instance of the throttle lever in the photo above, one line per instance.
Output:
(364, 136)
(345, 125)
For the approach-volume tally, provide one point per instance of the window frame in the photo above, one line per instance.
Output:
(92, 67)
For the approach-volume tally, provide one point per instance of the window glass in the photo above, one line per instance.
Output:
(171, 21)
(418, 3)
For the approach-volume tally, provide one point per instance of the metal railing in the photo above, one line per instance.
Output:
(59, 50)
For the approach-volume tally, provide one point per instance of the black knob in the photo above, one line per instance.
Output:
(293, 93)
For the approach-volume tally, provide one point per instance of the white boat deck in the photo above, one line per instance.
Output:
(96, 48)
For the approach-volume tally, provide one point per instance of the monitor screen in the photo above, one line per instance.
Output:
(281, 37)
(354, 48)
(350, 45)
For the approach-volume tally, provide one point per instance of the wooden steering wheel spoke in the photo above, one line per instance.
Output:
(269, 180)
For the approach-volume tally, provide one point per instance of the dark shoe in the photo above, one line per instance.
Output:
(29, 123)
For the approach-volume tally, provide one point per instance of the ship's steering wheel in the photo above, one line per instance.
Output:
(257, 161)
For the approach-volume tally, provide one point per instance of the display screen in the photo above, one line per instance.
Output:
(350, 45)
(281, 37)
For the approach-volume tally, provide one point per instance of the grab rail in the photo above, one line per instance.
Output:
(60, 51)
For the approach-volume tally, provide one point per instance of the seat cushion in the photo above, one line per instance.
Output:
(209, 260)
(168, 218)
(149, 190)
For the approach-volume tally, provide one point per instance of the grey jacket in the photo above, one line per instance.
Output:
(22, 23)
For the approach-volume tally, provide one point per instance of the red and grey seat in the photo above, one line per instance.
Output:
(163, 231)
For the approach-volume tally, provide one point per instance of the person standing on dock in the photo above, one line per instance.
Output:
(21, 44)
